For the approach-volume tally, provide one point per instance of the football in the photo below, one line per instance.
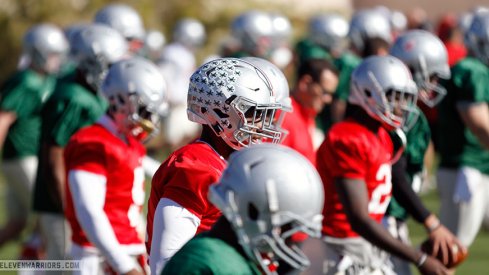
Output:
(427, 247)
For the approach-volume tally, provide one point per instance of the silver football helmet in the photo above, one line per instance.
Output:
(282, 29)
(329, 31)
(367, 24)
(398, 21)
(154, 41)
(124, 19)
(269, 192)
(384, 88)
(94, 49)
(426, 57)
(135, 90)
(279, 82)
(236, 99)
(41, 42)
(254, 30)
(477, 36)
(280, 86)
(189, 32)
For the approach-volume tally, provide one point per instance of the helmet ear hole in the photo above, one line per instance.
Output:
(252, 212)
(217, 128)
(220, 113)
(368, 93)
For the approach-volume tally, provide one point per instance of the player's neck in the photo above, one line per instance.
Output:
(223, 230)
(361, 116)
(208, 136)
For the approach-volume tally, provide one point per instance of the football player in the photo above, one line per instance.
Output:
(105, 178)
(255, 32)
(177, 63)
(235, 103)
(370, 34)
(126, 20)
(281, 88)
(426, 57)
(317, 80)
(75, 103)
(266, 194)
(154, 41)
(281, 54)
(463, 176)
(326, 39)
(21, 101)
(355, 166)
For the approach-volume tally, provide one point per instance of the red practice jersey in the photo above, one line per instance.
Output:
(300, 124)
(352, 151)
(185, 178)
(96, 150)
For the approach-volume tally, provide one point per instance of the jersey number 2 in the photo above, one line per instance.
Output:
(382, 191)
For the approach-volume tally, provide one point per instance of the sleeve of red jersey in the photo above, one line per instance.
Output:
(88, 157)
(189, 187)
(344, 159)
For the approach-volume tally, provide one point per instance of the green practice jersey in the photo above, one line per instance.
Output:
(70, 107)
(458, 146)
(24, 94)
(345, 64)
(418, 139)
(306, 49)
(208, 255)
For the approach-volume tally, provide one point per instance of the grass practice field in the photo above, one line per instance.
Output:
(476, 264)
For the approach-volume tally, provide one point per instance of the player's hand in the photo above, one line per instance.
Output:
(443, 242)
(432, 267)
(134, 271)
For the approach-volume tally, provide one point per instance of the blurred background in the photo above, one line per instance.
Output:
(16, 16)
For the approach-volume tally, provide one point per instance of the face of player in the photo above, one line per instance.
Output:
(427, 91)
(400, 104)
(258, 119)
(135, 46)
(321, 93)
(263, 47)
(134, 120)
(53, 63)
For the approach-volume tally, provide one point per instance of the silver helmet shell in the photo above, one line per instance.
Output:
(329, 31)
(236, 99)
(94, 49)
(269, 192)
(368, 24)
(382, 84)
(44, 40)
(254, 30)
(189, 32)
(123, 18)
(477, 36)
(135, 90)
(426, 56)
